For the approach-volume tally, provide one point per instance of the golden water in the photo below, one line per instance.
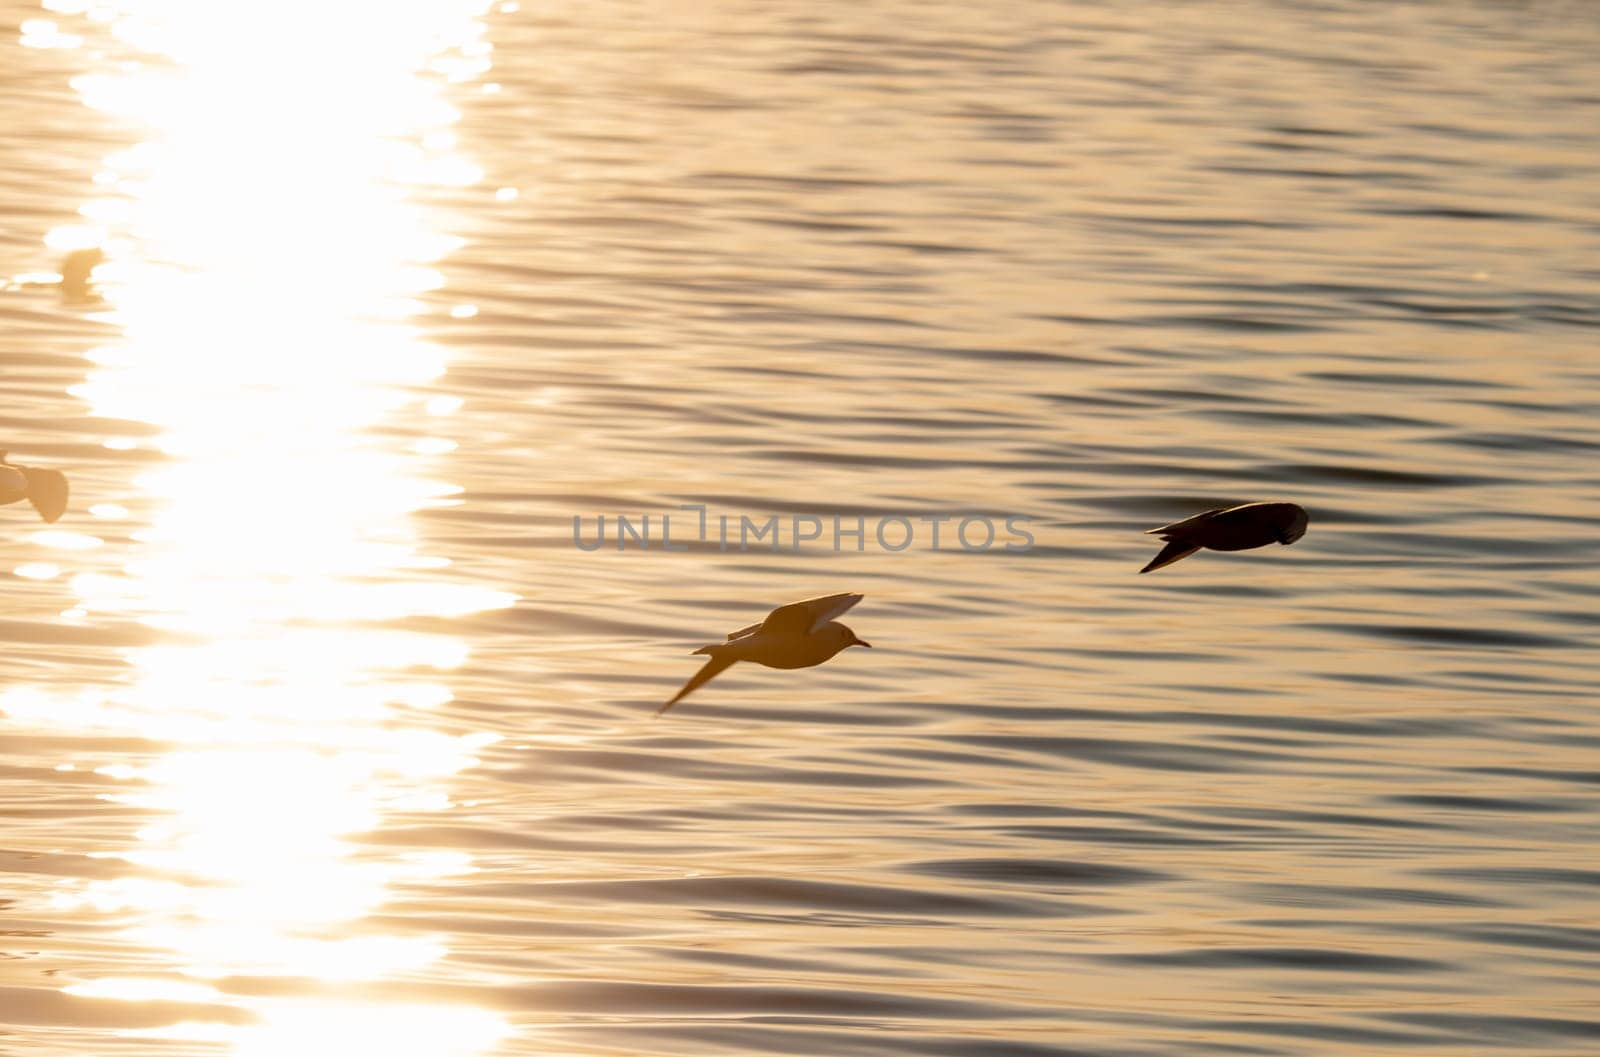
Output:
(318, 735)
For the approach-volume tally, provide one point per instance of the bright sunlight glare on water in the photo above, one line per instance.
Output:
(265, 250)
(323, 732)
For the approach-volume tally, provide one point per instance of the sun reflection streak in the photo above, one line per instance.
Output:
(266, 255)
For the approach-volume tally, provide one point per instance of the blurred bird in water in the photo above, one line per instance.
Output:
(77, 274)
(798, 635)
(1239, 528)
(45, 489)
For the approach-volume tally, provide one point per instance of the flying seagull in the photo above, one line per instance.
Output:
(45, 489)
(1239, 528)
(798, 635)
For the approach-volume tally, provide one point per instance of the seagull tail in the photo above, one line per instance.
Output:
(721, 660)
(1175, 550)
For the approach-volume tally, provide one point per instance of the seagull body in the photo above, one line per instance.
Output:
(46, 490)
(798, 635)
(1239, 528)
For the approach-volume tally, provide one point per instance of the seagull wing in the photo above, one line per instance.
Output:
(13, 484)
(1179, 528)
(719, 663)
(802, 618)
(47, 491)
(1175, 550)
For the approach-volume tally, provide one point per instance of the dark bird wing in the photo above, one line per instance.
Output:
(1179, 528)
(719, 663)
(47, 491)
(802, 618)
(1175, 550)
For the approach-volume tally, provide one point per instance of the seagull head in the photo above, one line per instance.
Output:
(840, 637)
(1295, 526)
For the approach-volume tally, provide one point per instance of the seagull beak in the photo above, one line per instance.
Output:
(861, 642)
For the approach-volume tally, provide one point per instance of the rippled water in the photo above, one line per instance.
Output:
(320, 736)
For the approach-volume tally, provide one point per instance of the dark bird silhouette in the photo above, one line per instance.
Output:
(46, 490)
(1239, 528)
(798, 635)
(77, 275)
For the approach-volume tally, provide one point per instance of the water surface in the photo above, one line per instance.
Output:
(321, 736)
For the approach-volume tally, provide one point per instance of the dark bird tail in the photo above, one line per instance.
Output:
(47, 491)
(721, 660)
(1175, 550)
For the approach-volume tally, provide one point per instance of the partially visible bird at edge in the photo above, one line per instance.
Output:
(77, 275)
(45, 490)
